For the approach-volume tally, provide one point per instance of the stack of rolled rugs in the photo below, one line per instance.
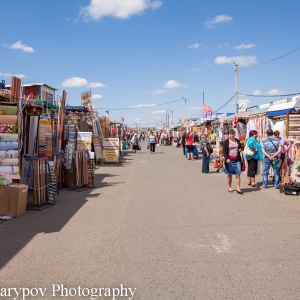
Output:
(9, 147)
(45, 139)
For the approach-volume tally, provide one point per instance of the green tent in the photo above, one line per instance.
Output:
(46, 104)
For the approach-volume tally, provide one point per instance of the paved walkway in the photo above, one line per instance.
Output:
(155, 223)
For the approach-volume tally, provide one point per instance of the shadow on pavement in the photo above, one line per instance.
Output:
(124, 160)
(16, 233)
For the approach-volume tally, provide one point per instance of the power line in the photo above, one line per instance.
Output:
(224, 104)
(231, 74)
(271, 60)
(152, 106)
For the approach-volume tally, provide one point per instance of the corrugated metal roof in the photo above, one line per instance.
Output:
(34, 84)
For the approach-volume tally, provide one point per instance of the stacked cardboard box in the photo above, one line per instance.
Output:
(13, 200)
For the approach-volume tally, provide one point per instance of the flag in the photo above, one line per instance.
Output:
(206, 108)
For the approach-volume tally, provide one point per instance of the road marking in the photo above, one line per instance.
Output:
(223, 245)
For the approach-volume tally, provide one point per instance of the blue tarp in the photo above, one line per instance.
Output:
(280, 112)
(281, 109)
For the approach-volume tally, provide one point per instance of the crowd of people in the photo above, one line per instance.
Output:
(237, 157)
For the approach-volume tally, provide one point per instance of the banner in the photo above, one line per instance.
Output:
(86, 99)
(111, 150)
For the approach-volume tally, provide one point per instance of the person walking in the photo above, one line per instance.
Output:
(189, 145)
(231, 151)
(212, 138)
(157, 139)
(205, 153)
(135, 143)
(253, 159)
(152, 142)
(285, 147)
(162, 138)
(183, 141)
(195, 137)
(271, 148)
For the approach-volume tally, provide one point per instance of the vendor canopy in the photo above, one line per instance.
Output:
(281, 109)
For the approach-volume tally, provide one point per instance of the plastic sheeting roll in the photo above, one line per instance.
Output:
(7, 119)
(4, 128)
(9, 170)
(4, 146)
(8, 110)
(8, 137)
(9, 154)
(5, 180)
(9, 162)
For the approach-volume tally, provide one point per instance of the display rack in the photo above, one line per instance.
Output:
(58, 170)
(293, 126)
(81, 176)
(42, 184)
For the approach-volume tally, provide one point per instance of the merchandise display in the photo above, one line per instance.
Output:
(8, 137)
(9, 154)
(9, 142)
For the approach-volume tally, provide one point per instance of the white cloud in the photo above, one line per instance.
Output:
(157, 112)
(244, 46)
(172, 84)
(122, 9)
(275, 92)
(194, 108)
(16, 75)
(194, 70)
(216, 20)
(257, 92)
(194, 46)
(74, 82)
(97, 96)
(142, 106)
(240, 101)
(20, 46)
(97, 85)
(159, 92)
(222, 45)
(239, 60)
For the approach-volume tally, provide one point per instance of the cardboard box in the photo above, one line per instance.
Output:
(13, 200)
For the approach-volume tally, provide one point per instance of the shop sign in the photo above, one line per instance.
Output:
(111, 149)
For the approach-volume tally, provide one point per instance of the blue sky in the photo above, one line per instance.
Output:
(141, 57)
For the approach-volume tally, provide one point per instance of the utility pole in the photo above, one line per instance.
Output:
(167, 123)
(172, 119)
(236, 87)
(185, 112)
(203, 105)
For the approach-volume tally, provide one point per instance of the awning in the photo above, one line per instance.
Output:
(281, 109)
(47, 104)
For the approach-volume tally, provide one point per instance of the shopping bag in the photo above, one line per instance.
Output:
(148, 146)
(249, 151)
(243, 166)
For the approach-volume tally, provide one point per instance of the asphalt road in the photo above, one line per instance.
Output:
(159, 226)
